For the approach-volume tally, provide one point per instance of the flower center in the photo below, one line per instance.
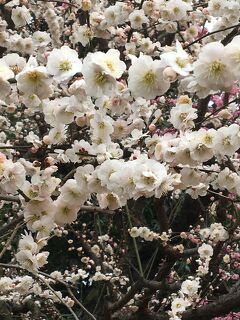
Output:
(183, 116)
(216, 6)
(110, 65)
(33, 194)
(15, 69)
(88, 33)
(111, 198)
(208, 139)
(216, 68)
(120, 128)
(149, 78)
(149, 180)
(184, 100)
(34, 76)
(66, 211)
(131, 181)
(201, 147)
(226, 141)
(65, 65)
(137, 19)
(181, 62)
(41, 39)
(176, 10)
(101, 125)
(100, 78)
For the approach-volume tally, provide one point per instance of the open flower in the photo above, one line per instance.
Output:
(98, 81)
(137, 18)
(66, 212)
(100, 71)
(179, 305)
(205, 251)
(41, 39)
(20, 16)
(190, 287)
(34, 80)
(63, 63)
(146, 78)
(182, 116)
(212, 69)
(82, 34)
(5, 72)
(179, 61)
(14, 62)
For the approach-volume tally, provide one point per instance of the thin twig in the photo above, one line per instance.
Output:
(9, 198)
(61, 2)
(217, 110)
(6, 265)
(9, 241)
(10, 225)
(14, 147)
(59, 298)
(222, 196)
(135, 244)
(80, 304)
(211, 33)
(68, 176)
(96, 209)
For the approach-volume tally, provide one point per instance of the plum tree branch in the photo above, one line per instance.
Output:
(221, 306)
(211, 33)
(38, 275)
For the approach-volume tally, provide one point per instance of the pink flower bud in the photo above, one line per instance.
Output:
(152, 127)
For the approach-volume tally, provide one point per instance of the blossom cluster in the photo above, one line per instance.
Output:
(120, 131)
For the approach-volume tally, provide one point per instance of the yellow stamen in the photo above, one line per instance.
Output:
(65, 65)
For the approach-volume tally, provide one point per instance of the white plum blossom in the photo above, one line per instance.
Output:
(71, 193)
(12, 176)
(227, 140)
(15, 62)
(110, 201)
(218, 232)
(205, 251)
(119, 153)
(34, 79)
(213, 69)
(183, 114)
(41, 38)
(63, 63)
(146, 78)
(100, 71)
(229, 180)
(5, 72)
(176, 9)
(66, 212)
(190, 287)
(137, 18)
(82, 34)
(179, 305)
(29, 256)
(179, 61)
(20, 16)
(98, 81)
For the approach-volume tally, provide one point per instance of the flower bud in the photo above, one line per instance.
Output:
(46, 140)
(11, 108)
(169, 74)
(152, 127)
